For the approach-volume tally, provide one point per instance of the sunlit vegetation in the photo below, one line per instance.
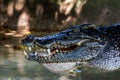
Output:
(21, 17)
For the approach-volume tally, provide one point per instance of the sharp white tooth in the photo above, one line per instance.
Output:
(35, 53)
(30, 49)
(57, 50)
(48, 50)
(25, 53)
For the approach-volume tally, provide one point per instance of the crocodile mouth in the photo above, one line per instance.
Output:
(55, 48)
(63, 49)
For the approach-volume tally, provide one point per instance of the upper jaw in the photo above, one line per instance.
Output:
(52, 41)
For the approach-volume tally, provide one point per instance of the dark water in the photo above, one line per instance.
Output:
(13, 66)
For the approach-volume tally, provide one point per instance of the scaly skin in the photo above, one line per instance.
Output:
(96, 46)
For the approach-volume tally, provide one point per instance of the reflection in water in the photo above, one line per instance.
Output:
(13, 66)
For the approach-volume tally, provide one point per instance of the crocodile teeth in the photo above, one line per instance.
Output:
(25, 53)
(30, 49)
(44, 50)
(48, 50)
(57, 50)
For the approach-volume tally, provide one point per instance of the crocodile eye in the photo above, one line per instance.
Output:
(29, 38)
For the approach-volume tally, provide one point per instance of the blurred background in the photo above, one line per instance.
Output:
(42, 17)
(55, 15)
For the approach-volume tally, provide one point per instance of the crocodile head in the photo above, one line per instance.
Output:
(77, 43)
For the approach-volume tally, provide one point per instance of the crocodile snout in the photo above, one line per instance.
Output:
(32, 57)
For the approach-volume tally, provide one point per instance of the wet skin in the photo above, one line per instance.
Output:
(87, 44)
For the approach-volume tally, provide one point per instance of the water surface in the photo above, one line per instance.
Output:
(14, 66)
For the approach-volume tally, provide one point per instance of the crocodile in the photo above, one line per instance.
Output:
(85, 44)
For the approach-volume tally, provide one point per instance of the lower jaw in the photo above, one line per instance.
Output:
(59, 67)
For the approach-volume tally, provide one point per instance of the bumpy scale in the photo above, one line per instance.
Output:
(96, 46)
